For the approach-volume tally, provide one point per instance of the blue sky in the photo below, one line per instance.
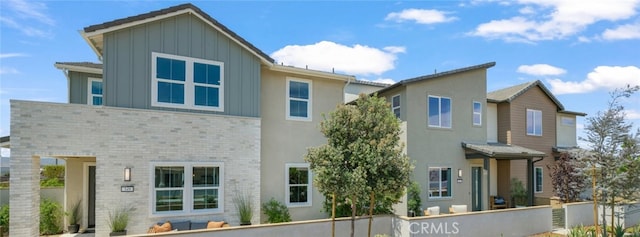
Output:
(581, 50)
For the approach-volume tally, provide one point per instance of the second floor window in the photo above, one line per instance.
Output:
(534, 122)
(189, 83)
(95, 91)
(439, 112)
(477, 113)
(395, 105)
(298, 99)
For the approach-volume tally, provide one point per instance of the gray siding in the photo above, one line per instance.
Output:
(78, 87)
(127, 58)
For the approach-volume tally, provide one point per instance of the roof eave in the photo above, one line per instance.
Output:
(314, 73)
(572, 113)
(75, 68)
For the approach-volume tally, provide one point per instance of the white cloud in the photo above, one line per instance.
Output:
(602, 77)
(420, 16)
(327, 55)
(632, 114)
(555, 19)
(8, 70)
(380, 80)
(11, 55)
(541, 70)
(27, 17)
(623, 32)
(527, 10)
(584, 39)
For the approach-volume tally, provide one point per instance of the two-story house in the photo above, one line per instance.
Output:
(529, 115)
(181, 115)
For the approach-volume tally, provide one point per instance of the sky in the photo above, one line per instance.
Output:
(581, 50)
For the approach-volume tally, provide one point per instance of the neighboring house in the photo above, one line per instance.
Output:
(529, 115)
(180, 115)
(354, 88)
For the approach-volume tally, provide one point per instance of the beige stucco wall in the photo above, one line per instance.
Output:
(286, 141)
(492, 122)
(76, 185)
(566, 134)
(433, 147)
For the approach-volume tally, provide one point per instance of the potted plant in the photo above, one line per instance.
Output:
(518, 193)
(74, 214)
(118, 221)
(242, 201)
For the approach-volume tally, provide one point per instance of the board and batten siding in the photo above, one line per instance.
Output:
(127, 68)
(78, 86)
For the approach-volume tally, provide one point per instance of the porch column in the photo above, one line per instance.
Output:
(24, 192)
(530, 182)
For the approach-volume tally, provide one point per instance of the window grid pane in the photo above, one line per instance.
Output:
(205, 199)
(169, 200)
(434, 111)
(477, 113)
(206, 96)
(298, 108)
(439, 182)
(298, 184)
(298, 90)
(445, 110)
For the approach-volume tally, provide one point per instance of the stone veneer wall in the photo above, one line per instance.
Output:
(119, 138)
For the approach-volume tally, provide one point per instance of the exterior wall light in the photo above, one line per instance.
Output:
(127, 174)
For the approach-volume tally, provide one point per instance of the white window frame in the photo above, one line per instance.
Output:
(309, 185)
(450, 191)
(393, 108)
(309, 101)
(90, 94)
(479, 114)
(535, 179)
(534, 121)
(187, 194)
(440, 112)
(189, 84)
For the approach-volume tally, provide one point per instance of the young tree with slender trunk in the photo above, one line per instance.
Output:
(567, 180)
(613, 154)
(363, 159)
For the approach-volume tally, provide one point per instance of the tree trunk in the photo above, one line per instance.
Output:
(333, 215)
(595, 199)
(372, 200)
(613, 209)
(353, 215)
(604, 213)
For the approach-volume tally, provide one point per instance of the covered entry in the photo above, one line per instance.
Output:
(503, 153)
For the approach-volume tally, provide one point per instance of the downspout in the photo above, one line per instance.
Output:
(66, 74)
(530, 179)
(344, 91)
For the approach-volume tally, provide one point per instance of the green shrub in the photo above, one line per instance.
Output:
(52, 182)
(4, 218)
(413, 198)
(53, 171)
(50, 217)
(276, 211)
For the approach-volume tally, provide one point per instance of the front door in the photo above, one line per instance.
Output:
(476, 188)
(91, 210)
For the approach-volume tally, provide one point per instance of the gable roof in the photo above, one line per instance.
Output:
(437, 75)
(511, 93)
(94, 34)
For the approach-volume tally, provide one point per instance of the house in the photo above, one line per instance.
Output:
(180, 115)
(467, 144)
(529, 115)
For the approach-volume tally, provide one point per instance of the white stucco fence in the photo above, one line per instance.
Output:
(510, 222)
(578, 213)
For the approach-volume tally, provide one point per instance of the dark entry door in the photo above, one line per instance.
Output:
(91, 218)
(476, 188)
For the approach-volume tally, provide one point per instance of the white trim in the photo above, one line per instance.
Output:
(189, 84)
(90, 92)
(534, 122)
(309, 185)
(450, 191)
(312, 73)
(187, 194)
(535, 179)
(75, 68)
(399, 107)
(440, 112)
(473, 111)
(309, 101)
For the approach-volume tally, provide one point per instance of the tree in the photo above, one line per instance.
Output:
(613, 155)
(363, 159)
(567, 180)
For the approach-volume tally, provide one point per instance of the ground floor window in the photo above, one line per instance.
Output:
(187, 187)
(538, 180)
(439, 182)
(298, 184)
